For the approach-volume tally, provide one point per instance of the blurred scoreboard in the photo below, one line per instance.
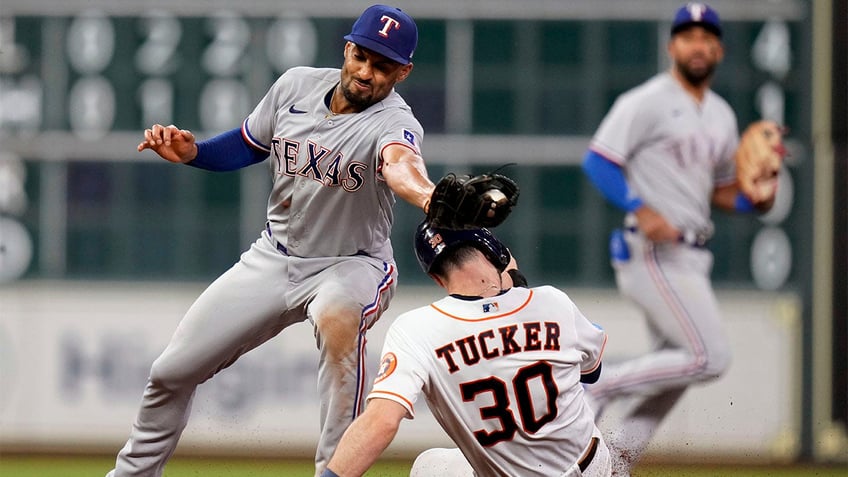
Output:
(93, 73)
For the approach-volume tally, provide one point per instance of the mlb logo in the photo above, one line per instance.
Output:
(407, 134)
(490, 307)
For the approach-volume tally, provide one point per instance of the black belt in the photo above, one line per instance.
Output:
(584, 461)
(282, 248)
(692, 239)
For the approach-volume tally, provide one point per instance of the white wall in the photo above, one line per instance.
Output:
(74, 358)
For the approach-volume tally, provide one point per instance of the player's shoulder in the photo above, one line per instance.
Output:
(394, 104)
(719, 102)
(309, 73)
(413, 318)
(393, 110)
(550, 292)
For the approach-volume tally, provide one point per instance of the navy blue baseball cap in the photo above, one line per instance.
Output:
(387, 30)
(696, 14)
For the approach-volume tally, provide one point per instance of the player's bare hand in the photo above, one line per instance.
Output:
(170, 142)
(654, 226)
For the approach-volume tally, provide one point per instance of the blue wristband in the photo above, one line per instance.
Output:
(633, 204)
(328, 473)
(743, 203)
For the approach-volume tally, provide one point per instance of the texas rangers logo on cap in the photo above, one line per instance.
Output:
(386, 30)
(389, 24)
(696, 14)
(696, 11)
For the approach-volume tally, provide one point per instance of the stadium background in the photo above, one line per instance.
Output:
(100, 242)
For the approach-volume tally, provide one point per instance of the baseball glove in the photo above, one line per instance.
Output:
(758, 160)
(468, 202)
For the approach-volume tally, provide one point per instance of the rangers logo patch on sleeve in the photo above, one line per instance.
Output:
(407, 134)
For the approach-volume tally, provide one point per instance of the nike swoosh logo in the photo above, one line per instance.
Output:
(294, 110)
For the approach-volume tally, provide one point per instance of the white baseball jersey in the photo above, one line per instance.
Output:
(318, 159)
(674, 150)
(501, 375)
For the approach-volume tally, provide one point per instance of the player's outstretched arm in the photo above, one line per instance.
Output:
(406, 175)
(170, 142)
(365, 439)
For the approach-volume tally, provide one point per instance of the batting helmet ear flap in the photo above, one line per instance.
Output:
(431, 242)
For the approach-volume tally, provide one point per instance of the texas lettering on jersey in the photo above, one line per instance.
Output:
(322, 164)
(503, 341)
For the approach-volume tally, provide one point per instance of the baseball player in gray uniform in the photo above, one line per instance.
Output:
(664, 154)
(500, 368)
(342, 143)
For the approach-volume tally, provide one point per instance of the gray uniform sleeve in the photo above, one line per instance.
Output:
(259, 126)
(622, 129)
(401, 128)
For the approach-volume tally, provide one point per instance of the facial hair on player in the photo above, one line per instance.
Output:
(696, 76)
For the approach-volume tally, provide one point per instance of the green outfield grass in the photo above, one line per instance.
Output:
(96, 466)
(77, 466)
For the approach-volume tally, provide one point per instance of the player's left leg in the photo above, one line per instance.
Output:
(351, 295)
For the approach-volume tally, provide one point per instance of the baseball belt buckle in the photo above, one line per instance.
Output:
(695, 239)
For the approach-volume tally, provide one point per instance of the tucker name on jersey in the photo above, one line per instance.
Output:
(501, 341)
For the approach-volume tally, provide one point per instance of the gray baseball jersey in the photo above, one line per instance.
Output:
(325, 256)
(674, 151)
(319, 160)
(501, 375)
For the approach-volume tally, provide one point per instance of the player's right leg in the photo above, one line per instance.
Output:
(240, 310)
(350, 295)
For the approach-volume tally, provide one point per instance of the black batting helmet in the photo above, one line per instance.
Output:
(432, 242)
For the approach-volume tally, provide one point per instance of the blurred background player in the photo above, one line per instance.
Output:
(500, 368)
(664, 154)
(342, 144)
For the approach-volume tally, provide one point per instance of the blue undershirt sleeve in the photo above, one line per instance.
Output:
(609, 179)
(226, 152)
(591, 377)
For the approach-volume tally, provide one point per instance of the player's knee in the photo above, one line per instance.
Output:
(713, 363)
(169, 376)
(337, 330)
(719, 362)
(440, 461)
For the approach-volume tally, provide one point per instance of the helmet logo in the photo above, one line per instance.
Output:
(435, 241)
